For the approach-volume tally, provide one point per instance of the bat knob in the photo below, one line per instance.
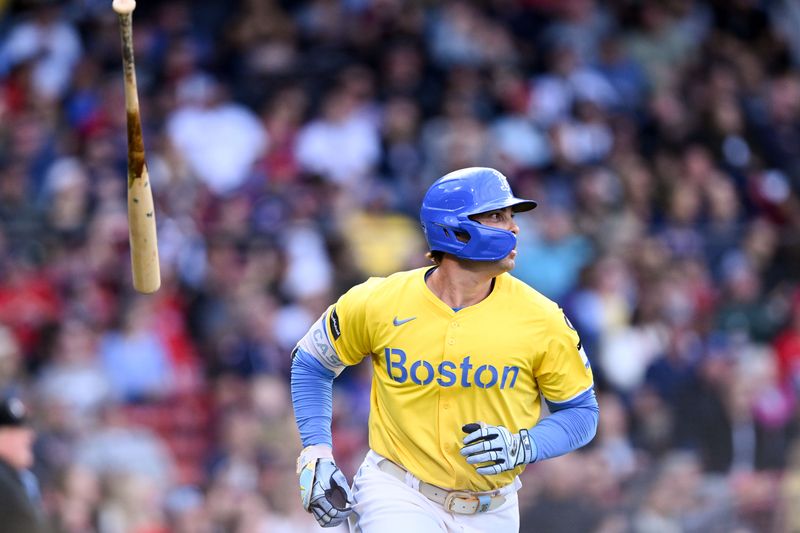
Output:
(123, 7)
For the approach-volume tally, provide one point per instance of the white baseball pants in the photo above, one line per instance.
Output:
(384, 504)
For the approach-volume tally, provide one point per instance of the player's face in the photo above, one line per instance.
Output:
(503, 219)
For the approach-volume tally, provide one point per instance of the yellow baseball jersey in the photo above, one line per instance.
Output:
(436, 369)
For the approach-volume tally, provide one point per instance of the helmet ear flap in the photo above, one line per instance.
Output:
(470, 240)
(450, 239)
(486, 243)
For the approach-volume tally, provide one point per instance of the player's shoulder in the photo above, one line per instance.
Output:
(381, 287)
(400, 279)
(529, 298)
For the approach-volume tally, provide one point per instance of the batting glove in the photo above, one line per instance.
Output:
(497, 446)
(323, 488)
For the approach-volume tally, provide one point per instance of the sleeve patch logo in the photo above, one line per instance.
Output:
(334, 324)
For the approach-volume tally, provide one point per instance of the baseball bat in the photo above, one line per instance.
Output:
(141, 211)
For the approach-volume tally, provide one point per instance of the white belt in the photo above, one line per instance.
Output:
(455, 501)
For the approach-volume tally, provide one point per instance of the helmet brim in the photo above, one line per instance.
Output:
(517, 205)
(523, 205)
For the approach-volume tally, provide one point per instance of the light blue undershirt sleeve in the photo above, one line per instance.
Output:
(570, 425)
(312, 398)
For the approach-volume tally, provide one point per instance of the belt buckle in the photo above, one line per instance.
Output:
(451, 496)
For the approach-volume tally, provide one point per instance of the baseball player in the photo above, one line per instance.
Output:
(462, 353)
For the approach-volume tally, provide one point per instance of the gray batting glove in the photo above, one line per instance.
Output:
(497, 446)
(323, 488)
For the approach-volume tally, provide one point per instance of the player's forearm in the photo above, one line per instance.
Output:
(569, 427)
(312, 398)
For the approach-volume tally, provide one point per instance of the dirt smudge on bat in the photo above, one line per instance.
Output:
(135, 148)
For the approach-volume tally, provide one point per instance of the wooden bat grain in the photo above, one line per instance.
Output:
(145, 265)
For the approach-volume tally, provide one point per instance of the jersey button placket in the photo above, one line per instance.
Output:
(448, 409)
(454, 328)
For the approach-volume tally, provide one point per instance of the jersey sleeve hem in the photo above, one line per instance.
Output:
(575, 400)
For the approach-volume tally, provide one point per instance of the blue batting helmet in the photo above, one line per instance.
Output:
(451, 200)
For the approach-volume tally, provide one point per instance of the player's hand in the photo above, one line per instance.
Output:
(498, 447)
(323, 488)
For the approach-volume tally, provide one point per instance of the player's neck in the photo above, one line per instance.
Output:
(459, 287)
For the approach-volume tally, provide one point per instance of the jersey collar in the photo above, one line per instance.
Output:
(499, 283)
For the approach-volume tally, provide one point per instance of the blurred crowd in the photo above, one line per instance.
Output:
(289, 144)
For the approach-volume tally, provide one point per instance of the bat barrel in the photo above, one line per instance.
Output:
(145, 266)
